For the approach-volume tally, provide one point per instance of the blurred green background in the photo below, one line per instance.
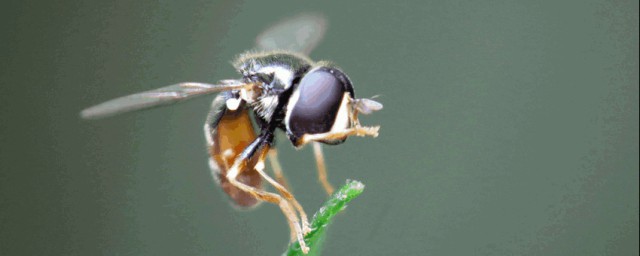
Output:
(509, 128)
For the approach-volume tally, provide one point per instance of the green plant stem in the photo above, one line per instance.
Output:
(321, 219)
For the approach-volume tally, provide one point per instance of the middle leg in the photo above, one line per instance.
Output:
(322, 170)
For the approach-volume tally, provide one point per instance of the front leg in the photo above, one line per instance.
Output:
(359, 131)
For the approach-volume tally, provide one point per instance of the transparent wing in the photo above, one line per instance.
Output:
(300, 33)
(158, 97)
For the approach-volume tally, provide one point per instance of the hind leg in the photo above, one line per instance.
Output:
(280, 184)
(259, 146)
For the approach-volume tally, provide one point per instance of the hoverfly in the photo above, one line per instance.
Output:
(280, 89)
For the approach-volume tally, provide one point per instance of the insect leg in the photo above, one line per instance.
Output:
(277, 168)
(260, 145)
(359, 131)
(277, 171)
(322, 170)
(286, 194)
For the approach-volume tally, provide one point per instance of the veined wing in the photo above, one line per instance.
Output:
(158, 97)
(301, 33)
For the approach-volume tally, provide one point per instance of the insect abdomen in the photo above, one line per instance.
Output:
(229, 133)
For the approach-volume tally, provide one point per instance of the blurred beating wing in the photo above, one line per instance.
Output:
(301, 33)
(158, 97)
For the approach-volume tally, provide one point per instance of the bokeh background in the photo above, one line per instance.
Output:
(509, 128)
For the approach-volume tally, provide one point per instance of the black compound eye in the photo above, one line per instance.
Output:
(316, 102)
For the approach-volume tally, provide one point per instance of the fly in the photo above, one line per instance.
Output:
(280, 89)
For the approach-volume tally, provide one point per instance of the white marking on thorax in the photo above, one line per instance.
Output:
(266, 106)
(283, 74)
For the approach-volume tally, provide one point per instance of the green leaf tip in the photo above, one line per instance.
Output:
(321, 219)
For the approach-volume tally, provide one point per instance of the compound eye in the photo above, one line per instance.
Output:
(317, 103)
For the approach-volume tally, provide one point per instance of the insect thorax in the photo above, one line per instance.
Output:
(277, 72)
